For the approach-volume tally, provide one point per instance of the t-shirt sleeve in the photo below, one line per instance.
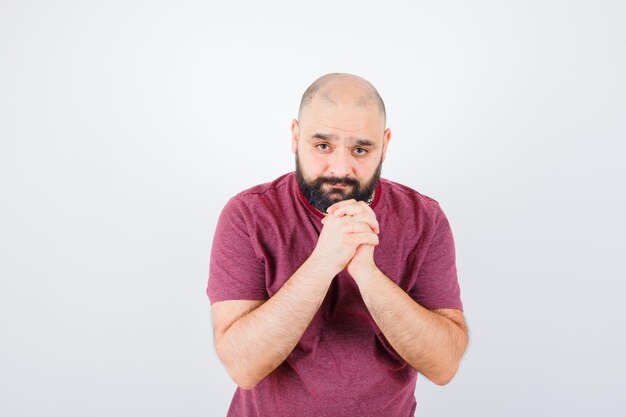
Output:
(235, 270)
(436, 285)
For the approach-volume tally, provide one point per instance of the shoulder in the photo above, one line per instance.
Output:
(401, 198)
(270, 188)
(253, 199)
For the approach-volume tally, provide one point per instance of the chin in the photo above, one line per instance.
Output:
(336, 196)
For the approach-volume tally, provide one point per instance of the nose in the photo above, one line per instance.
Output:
(339, 163)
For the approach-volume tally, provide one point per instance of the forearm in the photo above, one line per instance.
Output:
(429, 342)
(257, 343)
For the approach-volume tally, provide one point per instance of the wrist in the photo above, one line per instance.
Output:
(320, 264)
(364, 272)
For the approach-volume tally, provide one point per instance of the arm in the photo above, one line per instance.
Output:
(432, 342)
(258, 341)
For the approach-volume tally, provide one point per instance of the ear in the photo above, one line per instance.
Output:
(295, 135)
(386, 139)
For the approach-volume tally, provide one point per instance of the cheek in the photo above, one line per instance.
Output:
(367, 170)
(314, 164)
(311, 166)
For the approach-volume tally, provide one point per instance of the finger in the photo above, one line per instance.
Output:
(369, 219)
(353, 209)
(356, 227)
(339, 204)
(367, 238)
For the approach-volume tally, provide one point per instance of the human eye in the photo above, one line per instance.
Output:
(361, 151)
(322, 146)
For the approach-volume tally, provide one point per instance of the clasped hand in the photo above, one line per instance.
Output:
(349, 236)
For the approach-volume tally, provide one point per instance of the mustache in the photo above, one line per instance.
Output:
(337, 180)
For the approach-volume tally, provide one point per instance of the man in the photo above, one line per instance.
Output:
(330, 286)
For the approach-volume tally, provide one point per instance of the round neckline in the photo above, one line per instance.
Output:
(321, 215)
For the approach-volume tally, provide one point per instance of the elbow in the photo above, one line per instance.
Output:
(441, 380)
(242, 380)
(238, 375)
(246, 380)
(443, 376)
(446, 373)
(244, 383)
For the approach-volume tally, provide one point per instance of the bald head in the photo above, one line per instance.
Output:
(345, 88)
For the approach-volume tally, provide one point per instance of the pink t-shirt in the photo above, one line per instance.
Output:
(343, 365)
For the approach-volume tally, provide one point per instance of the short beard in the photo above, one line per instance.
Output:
(321, 199)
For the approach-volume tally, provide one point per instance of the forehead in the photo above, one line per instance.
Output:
(350, 115)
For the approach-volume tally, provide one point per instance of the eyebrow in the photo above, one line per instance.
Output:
(357, 141)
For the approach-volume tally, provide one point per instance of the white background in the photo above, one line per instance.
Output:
(126, 126)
